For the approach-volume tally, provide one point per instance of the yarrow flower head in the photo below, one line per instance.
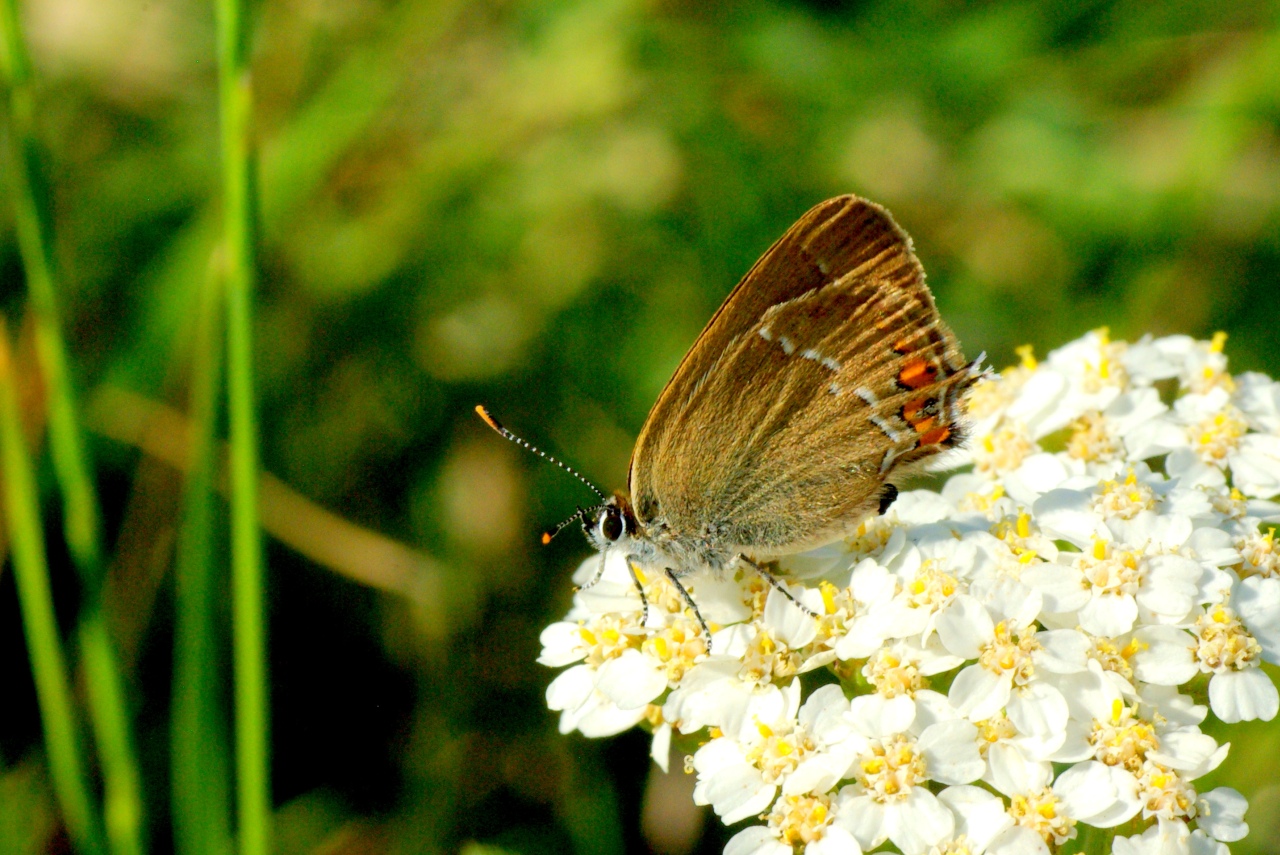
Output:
(989, 667)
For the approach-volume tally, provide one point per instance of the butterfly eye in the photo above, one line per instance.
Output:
(611, 526)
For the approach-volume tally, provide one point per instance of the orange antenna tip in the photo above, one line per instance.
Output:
(546, 538)
(488, 419)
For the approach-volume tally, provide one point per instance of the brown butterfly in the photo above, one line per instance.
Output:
(824, 377)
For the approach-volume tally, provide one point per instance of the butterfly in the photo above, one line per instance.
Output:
(824, 379)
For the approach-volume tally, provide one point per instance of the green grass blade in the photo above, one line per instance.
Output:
(235, 104)
(200, 774)
(31, 573)
(82, 519)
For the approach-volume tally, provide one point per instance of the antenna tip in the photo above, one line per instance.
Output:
(488, 419)
(546, 538)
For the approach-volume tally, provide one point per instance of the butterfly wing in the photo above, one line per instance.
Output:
(825, 372)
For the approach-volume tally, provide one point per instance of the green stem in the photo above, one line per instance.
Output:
(31, 574)
(235, 102)
(82, 519)
(201, 815)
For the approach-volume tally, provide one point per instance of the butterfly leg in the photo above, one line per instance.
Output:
(595, 577)
(688, 599)
(777, 586)
(644, 601)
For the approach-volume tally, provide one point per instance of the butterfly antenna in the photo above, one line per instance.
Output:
(506, 434)
(577, 517)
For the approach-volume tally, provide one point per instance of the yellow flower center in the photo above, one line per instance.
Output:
(800, 820)
(1110, 571)
(1165, 793)
(608, 636)
(1002, 450)
(678, 646)
(777, 754)
(1218, 435)
(1018, 533)
(931, 587)
(1010, 652)
(1124, 740)
(1125, 499)
(890, 767)
(1039, 812)
(1114, 658)
(767, 659)
(1223, 641)
(892, 676)
(1259, 553)
(993, 730)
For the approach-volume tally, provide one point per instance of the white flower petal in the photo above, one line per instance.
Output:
(756, 840)
(660, 746)
(817, 773)
(631, 680)
(735, 793)
(1038, 709)
(918, 822)
(980, 816)
(862, 816)
(1243, 696)
(1187, 750)
(1165, 656)
(951, 753)
(964, 626)
(1255, 465)
(1221, 814)
(977, 693)
(834, 841)
(826, 713)
(876, 715)
(1086, 789)
(1059, 585)
(571, 688)
(1062, 651)
(1170, 587)
(1011, 772)
(561, 644)
(1018, 841)
(788, 623)
(1068, 515)
(601, 718)
(1108, 614)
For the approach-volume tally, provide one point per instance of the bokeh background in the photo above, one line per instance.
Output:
(537, 205)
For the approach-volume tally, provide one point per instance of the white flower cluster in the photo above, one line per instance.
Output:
(993, 665)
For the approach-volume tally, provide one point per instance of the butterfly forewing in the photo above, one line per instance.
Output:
(825, 371)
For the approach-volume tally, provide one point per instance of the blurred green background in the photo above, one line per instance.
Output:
(536, 206)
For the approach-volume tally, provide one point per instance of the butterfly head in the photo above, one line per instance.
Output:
(610, 524)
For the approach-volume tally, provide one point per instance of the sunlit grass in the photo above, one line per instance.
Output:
(82, 518)
(67, 764)
(235, 108)
(199, 767)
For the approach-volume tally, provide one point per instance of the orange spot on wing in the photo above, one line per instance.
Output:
(937, 436)
(903, 346)
(911, 410)
(917, 373)
(924, 425)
